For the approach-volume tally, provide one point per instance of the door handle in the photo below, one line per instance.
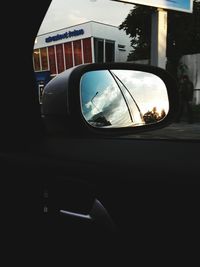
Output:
(76, 215)
(98, 214)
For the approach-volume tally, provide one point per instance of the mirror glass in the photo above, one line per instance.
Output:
(122, 98)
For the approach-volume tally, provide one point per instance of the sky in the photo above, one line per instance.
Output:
(66, 13)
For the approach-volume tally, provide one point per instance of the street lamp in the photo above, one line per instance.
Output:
(93, 102)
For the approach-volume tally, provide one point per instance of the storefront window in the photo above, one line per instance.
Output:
(68, 55)
(87, 50)
(36, 58)
(77, 52)
(60, 57)
(44, 59)
(52, 60)
(99, 50)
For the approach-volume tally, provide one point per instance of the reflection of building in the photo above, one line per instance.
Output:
(84, 43)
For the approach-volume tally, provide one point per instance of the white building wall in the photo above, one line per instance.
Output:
(91, 29)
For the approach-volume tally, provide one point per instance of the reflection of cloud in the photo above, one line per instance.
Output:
(110, 109)
(147, 89)
(88, 105)
(111, 104)
(108, 99)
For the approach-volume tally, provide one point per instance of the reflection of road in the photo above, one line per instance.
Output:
(181, 130)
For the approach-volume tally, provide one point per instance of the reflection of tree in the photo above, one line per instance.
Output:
(163, 114)
(99, 120)
(153, 116)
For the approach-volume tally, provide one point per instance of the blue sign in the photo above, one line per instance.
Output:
(178, 5)
(42, 76)
(65, 35)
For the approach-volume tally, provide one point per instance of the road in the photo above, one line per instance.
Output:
(181, 130)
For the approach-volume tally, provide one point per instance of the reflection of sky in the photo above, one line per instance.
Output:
(93, 82)
(100, 94)
(147, 89)
(109, 100)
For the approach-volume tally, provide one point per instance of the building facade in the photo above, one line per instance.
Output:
(88, 42)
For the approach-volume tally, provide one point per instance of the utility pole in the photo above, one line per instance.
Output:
(159, 38)
(159, 25)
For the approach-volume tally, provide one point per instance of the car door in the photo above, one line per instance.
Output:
(135, 190)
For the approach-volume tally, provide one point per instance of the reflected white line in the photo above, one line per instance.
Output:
(77, 215)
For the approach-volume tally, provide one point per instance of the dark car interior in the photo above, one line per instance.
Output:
(85, 192)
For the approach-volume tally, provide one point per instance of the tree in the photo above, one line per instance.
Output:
(183, 35)
(138, 25)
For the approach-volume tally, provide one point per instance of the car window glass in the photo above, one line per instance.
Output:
(77, 32)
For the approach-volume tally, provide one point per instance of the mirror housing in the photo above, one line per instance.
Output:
(62, 104)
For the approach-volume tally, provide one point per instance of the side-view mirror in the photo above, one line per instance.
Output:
(111, 98)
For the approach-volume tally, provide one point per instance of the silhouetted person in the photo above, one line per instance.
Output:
(186, 90)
